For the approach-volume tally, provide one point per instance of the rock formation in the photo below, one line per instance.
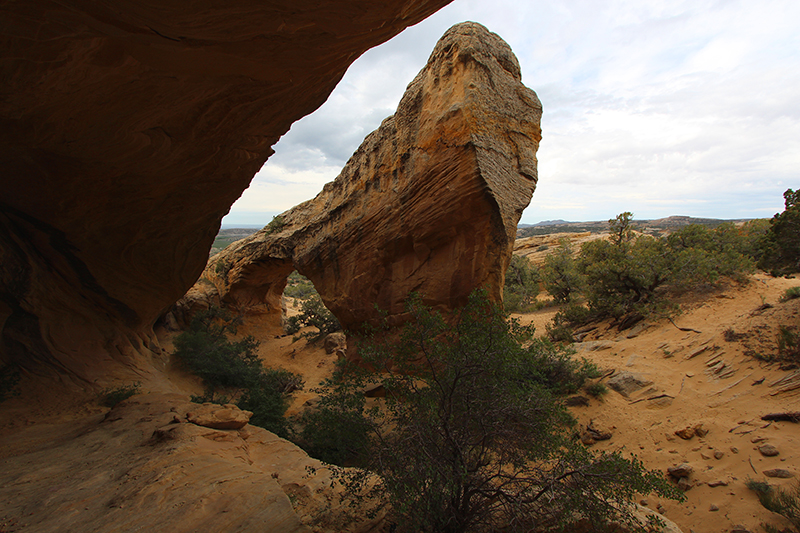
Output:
(127, 131)
(429, 202)
(147, 466)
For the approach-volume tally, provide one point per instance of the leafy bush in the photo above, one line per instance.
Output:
(784, 502)
(560, 274)
(631, 274)
(111, 397)
(313, 313)
(232, 370)
(782, 244)
(9, 381)
(522, 285)
(470, 436)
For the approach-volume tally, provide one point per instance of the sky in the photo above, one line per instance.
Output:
(655, 107)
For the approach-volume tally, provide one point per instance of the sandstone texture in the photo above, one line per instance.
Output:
(428, 203)
(127, 130)
(144, 467)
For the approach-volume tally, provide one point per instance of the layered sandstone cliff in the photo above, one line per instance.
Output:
(127, 130)
(429, 202)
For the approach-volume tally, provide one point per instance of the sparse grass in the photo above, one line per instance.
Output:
(783, 502)
(111, 397)
(790, 294)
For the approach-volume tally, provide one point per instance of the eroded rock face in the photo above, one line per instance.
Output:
(126, 133)
(429, 202)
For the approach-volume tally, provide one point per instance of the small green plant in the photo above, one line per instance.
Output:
(232, 371)
(783, 502)
(276, 225)
(790, 294)
(111, 397)
(596, 389)
(788, 343)
(313, 313)
(9, 381)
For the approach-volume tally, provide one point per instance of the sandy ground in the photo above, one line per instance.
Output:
(698, 378)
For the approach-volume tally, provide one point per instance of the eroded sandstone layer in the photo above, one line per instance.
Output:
(127, 130)
(150, 465)
(429, 202)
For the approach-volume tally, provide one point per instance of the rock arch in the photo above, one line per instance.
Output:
(428, 203)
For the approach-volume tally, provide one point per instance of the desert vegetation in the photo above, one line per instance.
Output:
(313, 312)
(631, 275)
(232, 372)
(471, 434)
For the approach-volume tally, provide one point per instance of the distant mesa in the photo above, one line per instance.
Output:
(429, 202)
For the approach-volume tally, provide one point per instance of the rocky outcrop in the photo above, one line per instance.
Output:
(429, 202)
(149, 466)
(126, 133)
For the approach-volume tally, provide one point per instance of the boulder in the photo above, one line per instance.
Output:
(219, 416)
(429, 202)
(778, 472)
(680, 471)
(128, 130)
(334, 342)
(768, 450)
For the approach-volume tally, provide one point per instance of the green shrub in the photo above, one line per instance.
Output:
(567, 319)
(560, 274)
(633, 274)
(789, 343)
(782, 243)
(521, 285)
(111, 397)
(232, 371)
(9, 381)
(313, 313)
(470, 436)
(790, 294)
(596, 389)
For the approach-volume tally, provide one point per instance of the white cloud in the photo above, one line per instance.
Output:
(656, 107)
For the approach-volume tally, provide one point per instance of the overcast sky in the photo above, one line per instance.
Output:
(656, 107)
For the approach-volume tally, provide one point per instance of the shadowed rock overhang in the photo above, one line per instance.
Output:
(127, 130)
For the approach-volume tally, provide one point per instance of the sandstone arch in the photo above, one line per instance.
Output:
(429, 202)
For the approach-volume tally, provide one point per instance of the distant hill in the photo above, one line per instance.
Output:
(228, 235)
(649, 226)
